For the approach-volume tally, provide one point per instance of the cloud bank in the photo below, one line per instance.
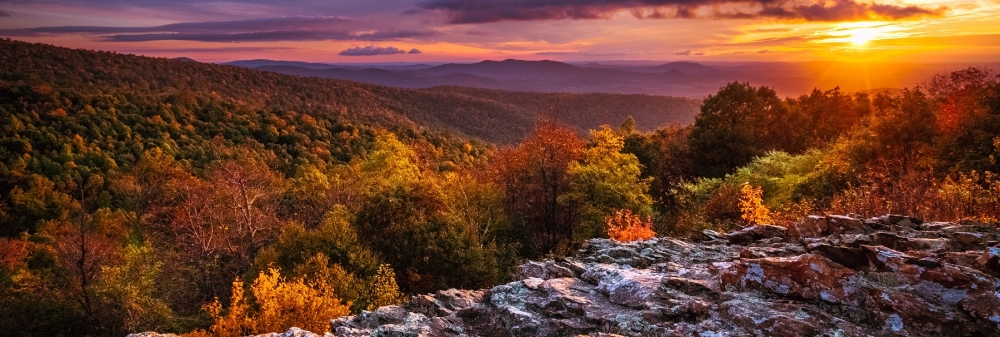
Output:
(483, 11)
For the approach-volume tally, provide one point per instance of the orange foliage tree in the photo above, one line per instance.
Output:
(533, 175)
(623, 226)
(280, 304)
(752, 206)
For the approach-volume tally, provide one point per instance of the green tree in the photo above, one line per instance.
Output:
(734, 126)
(128, 292)
(604, 181)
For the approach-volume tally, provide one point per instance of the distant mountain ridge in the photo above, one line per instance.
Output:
(682, 78)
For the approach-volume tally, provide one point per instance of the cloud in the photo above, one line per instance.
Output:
(291, 28)
(847, 10)
(482, 11)
(141, 50)
(372, 51)
(415, 51)
(4, 13)
(683, 53)
(383, 35)
(769, 30)
(558, 53)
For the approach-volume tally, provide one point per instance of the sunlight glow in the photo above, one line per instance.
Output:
(861, 36)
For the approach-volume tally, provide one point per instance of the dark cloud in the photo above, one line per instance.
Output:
(4, 13)
(289, 23)
(292, 28)
(230, 37)
(372, 51)
(209, 50)
(846, 10)
(481, 11)
(383, 35)
(415, 51)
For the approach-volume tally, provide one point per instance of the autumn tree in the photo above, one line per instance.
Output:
(150, 188)
(533, 175)
(247, 193)
(752, 207)
(967, 117)
(332, 250)
(278, 303)
(420, 223)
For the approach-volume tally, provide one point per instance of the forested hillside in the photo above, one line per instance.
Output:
(134, 190)
(502, 119)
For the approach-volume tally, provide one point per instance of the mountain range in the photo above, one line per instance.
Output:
(680, 79)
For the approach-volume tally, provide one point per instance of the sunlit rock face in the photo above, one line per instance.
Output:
(828, 276)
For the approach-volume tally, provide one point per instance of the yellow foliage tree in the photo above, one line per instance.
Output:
(623, 226)
(384, 290)
(752, 205)
(280, 304)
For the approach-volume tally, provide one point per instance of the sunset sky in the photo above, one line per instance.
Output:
(352, 31)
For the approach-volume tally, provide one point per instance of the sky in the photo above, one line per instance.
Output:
(374, 31)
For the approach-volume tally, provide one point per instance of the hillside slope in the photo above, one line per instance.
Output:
(499, 119)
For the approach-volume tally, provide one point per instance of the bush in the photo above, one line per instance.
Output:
(623, 226)
(279, 304)
(751, 206)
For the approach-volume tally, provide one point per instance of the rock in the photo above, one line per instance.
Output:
(754, 233)
(839, 224)
(543, 270)
(854, 258)
(899, 220)
(811, 227)
(839, 276)
(708, 235)
(804, 277)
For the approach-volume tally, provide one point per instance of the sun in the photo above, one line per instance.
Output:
(860, 37)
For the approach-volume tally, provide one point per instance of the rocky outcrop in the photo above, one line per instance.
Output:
(824, 276)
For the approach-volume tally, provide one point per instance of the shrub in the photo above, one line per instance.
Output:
(752, 207)
(623, 226)
(280, 304)
(384, 290)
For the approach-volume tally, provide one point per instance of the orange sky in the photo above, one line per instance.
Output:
(954, 31)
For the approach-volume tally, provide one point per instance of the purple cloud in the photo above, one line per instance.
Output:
(292, 28)
(481, 11)
(372, 51)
